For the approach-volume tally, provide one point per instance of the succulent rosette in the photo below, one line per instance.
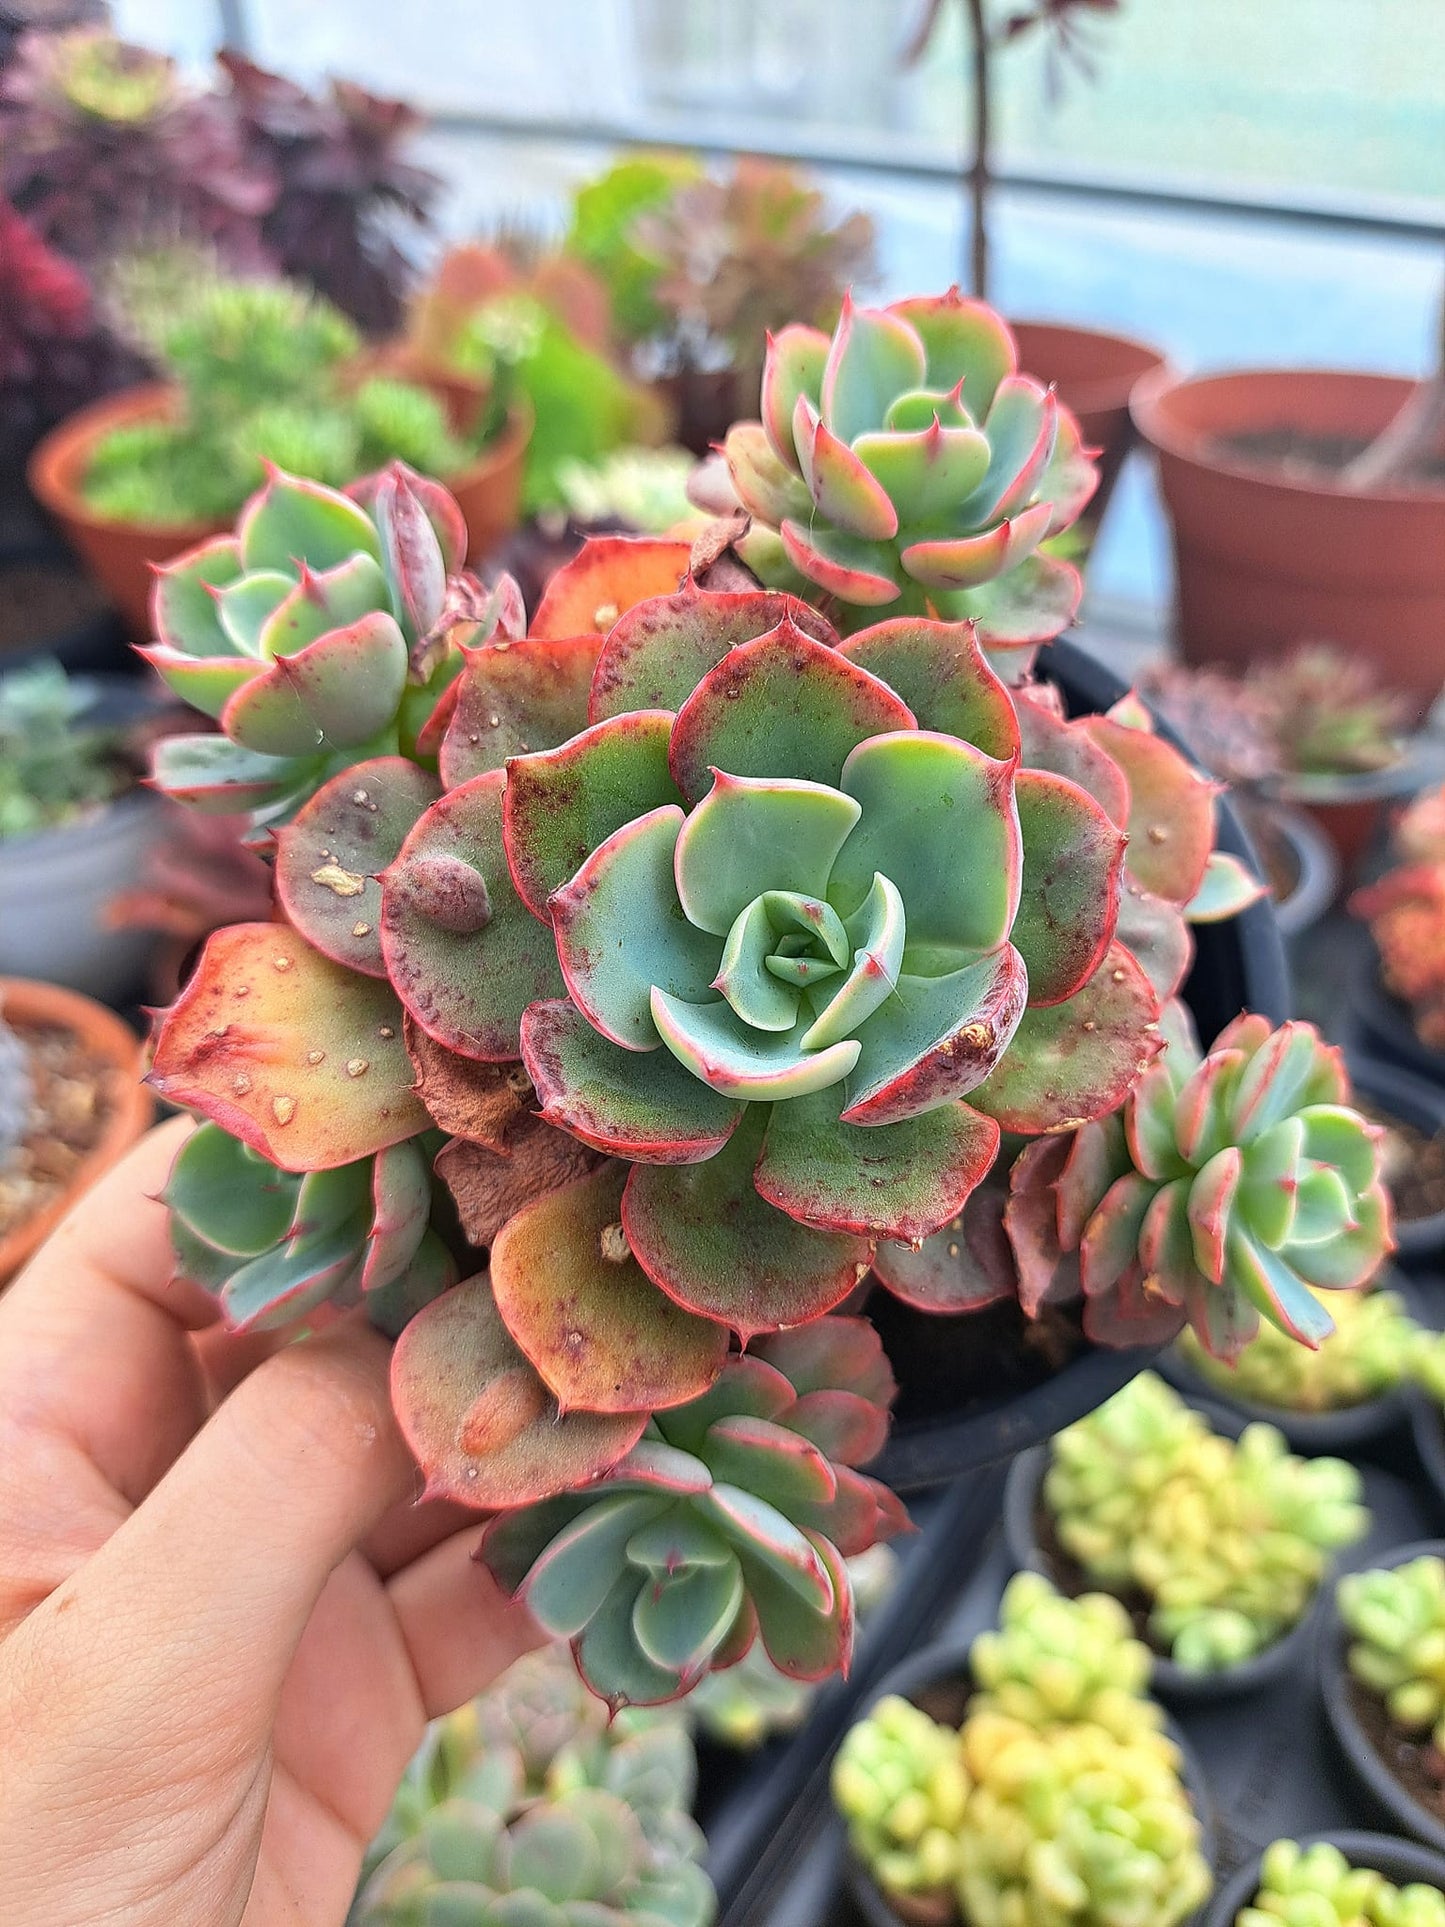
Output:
(728, 1522)
(906, 465)
(324, 630)
(1226, 1189)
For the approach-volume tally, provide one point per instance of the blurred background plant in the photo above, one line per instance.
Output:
(56, 767)
(264, 371)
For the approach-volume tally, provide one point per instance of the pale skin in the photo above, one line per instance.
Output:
(224, 1620)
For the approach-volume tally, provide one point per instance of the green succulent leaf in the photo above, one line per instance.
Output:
(751, 834)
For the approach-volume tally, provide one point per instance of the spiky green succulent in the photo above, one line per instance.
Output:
(1375, 1347)
(1396, 1615)
(1074, 1828)
(899, 1783)
(1055, 1660)
(1228, 1540)
(906, 466)
(320, 635)
(273, 1245)
(1225, 1189)
(728, 1522)
(1316, 1886)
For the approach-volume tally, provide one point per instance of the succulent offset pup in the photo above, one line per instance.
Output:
(717, 954)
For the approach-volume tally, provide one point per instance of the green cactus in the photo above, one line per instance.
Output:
(1316, 1886)
(1227, 1540)
(1074, 1828)
(899, 1783)
(1055, 1660)
(1397, 1617)
(906, 466)
(1375, 1347)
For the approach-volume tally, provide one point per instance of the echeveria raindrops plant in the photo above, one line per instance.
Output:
(653, 978)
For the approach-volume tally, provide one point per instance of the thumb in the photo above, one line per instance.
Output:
(221, 1565)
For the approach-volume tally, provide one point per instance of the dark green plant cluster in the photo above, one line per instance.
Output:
(1227, 1539)
(55, 766)
(265, 375)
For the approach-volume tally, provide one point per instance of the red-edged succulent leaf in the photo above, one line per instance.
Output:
(183, 605)
(1098, 1154)
(845, 566)
(968, 561)
(1171, 810)
(1031, 603)
(938, 1039)
(336, 693)
(1109, 1248)
(620, 934)
(1211, 1197)
(802, 1643)
(963, 1267)
(208, 684)
(1031, 1220)
(515, 697)
(796, 357)
(488, 1186)
(766, 486)
(400, 1210)
(1073, 865)
(842, 489)
(483, 1103)
(466, 961)
(1078, 1060)
(440, 504)
(780, 703)
(561, 803)
(219, 777)
(830, 1354)
(1052, 743)
(600, 1333)
(482, 1425)
(1133, 1314)
(1153, 931)
(898, 1181)
(292, 517)
(1228, 888)
(639, 1105)
(609, 575)
(771, 1461)
(660, 650)
(298, 1058)
(938, 670)
(329, 857)
(702, 1232)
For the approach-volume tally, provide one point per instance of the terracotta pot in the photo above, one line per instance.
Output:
(489, 492)
(118, 554)
(25, 1003)
(1095, 374)
(1266, 560)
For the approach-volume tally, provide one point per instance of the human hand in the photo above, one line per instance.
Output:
(223, 1623)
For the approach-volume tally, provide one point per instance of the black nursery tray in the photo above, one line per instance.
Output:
(1268, 1758)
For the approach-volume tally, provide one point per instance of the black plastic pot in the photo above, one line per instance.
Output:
(1381, 1026)
(1416, 1101)
(1427, 1423)
(937, 1679)
(1167, 1680)
(956, 1409)
(1340, 1432)
(1400, 1861)
(1370, 1772)
(1316, 868)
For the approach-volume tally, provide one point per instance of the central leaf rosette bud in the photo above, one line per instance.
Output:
(785, 937)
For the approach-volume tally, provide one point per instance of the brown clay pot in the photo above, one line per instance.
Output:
(489, 490)
(1266, 560)
(23, 1003)
(1095, 374)
(118, 554)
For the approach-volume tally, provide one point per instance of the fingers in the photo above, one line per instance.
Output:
(276, 1489)
(459, 1627)
(410, 1530)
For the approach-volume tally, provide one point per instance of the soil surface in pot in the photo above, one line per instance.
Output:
(951, 1363)
(43, 600)
(1414, 1164)
(1297, 454)
(1416, 1763)
(74, 1093)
